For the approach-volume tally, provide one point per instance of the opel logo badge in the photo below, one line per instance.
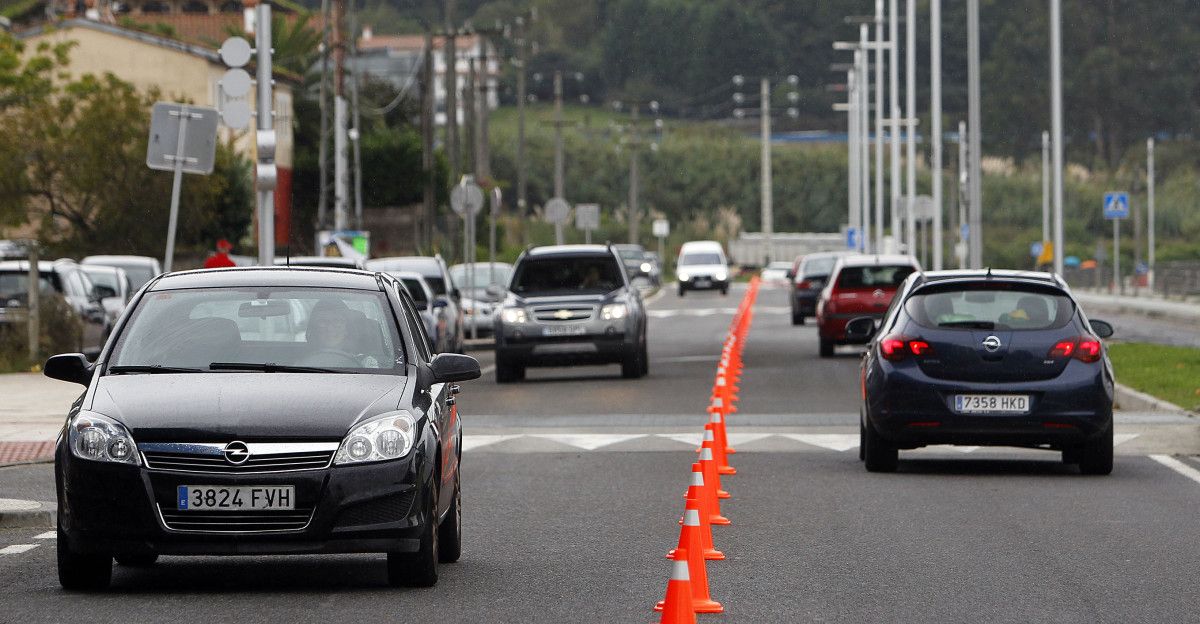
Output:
(991, 343)
(563, 315)
(236, 453)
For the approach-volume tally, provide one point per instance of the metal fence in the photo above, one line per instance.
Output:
(1172, 279)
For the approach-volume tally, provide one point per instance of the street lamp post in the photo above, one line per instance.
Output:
(879, 61)
(935, 130)
(894, 98)
(864, 128)
(975, 169)
(1056, 123)
(910, 110)
(1150, 210)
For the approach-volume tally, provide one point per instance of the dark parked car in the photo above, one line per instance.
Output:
(986, 358)
(808, 275)
(570, 305)
(209, 427)
(66, 279)
(858, 286)
(445, 291)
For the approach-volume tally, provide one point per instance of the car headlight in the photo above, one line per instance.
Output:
(721, 276)
(646, 267)
(515, 316)
(100, 438)
(390, 436)
(614, 312)
(683, 276)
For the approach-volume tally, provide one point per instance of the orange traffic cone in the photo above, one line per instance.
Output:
(677, 605)
(710, 440)
(717, 426)
(712, 484)
(695, 497)
(689, 547)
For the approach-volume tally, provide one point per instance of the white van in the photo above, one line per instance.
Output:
(702, 265)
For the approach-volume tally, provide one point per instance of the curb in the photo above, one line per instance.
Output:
(15, 514)
(1129, 399)
(1148, 309)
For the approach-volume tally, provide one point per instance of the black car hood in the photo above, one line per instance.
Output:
(202, 407)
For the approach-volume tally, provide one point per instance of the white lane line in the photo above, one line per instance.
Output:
(470, 442)
(588, 441)
(487, 370)
(17, 549)
(833, 441)
(47, 535)
(1178, 466)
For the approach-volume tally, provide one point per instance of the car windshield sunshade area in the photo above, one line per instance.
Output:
(693, 259)
(990, 308)
(873, 276)
(544, 276)
(262, 329)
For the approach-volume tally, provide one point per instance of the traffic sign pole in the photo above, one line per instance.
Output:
(1116, 207)
(176, 183)
(1118, 287)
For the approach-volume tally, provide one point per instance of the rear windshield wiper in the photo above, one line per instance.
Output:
(150, 368)
(969, 324)
(268, 367)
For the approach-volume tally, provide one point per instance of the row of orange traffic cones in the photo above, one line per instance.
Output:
(687, 590)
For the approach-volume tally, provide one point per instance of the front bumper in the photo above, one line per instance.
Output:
(602, 342)
(703, 282)
(118, 509)
(912, 409)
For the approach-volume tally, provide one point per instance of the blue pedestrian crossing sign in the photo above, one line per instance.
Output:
(1116, 205)
(852, 238)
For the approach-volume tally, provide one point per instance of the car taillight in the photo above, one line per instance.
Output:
(804, 285)
(895, 348)
(1084, 349)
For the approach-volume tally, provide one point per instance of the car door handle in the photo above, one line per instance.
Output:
(455, 389)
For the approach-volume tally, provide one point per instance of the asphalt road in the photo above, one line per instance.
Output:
(573, 483)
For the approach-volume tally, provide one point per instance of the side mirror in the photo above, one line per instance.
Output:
(451, 367)
(440, 303)
(456, 294)
(1103, 329)
(422, 306)
(861, 328)
(72, 367)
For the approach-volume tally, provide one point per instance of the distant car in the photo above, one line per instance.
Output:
(986, 358)
(330, 262)
(638, 263)
(113, 287)
(203, 431)
(433, 312)
(858, 286)
(809, 274)
(702, 265)
(140, 269)
(569, 305)
(481, 296)
(62, 277)
(776, 273)
(11, 250)
(433, 268)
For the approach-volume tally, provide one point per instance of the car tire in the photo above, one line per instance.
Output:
(862, 440)
(725, 291)
(682, 291)
(418, 569)
(797, 319)
(826, 348)
(631, 364)
(879, 454)
(645, 357)
(1096, 456)
(137, 560)
(79, 571)
(507, 371)
(450, 532)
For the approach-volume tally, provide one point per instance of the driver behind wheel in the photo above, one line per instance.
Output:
(329, 335)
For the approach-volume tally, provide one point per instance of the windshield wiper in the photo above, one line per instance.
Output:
(150, 368)
(970, 324)
(269, 367)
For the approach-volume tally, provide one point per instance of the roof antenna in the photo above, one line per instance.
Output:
(989, 272)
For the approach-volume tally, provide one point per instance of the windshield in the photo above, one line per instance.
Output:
(873, 276)
(415, 291)
(700, 258)
(484, 276)
(344, 330)
(817, 267)
(542, 276)
(991, 308)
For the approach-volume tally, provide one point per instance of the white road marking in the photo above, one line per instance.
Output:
(692, 439)
(1122, 438)
(487, 370)
(470, 442)
(47, 535)
(17, 549)
(833, 441)
(1178, 466)
(588, 441)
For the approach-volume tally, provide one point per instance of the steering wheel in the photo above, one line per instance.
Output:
(315, 358)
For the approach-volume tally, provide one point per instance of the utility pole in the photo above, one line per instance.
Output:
(451, 81)
(470, 140)
(522, 48)
(973, 123)
(894, 97)
(355, 117)
(558, 135)
(265, 125)
(634, 152)
(1045, 187)
(483, 82)
(429, 171)
(964, 192)
(864, 129)
(880, 56)
(33, 307)
(854, 203)
(323, 140)
(910, 112)
(341, 182)
(1150, 210)
(935, 130)
(768, 201)
(1056, 126)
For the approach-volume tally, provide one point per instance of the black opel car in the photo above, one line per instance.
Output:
(262, 411)
(982, 358)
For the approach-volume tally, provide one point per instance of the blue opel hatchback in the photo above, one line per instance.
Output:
(986, 358)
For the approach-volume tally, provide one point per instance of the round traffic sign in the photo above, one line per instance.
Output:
(235, 83)
(235, 52)
(557, 210)
(466, 198)
(236, 114)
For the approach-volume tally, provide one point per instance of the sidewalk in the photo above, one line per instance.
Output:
(1145, 304)
(31, 414)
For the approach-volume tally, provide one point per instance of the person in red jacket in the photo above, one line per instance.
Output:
(220, 259)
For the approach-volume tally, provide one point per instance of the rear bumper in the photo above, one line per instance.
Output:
(912, 409)
(704, 283)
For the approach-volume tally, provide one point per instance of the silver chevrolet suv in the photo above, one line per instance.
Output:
(570, 305)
